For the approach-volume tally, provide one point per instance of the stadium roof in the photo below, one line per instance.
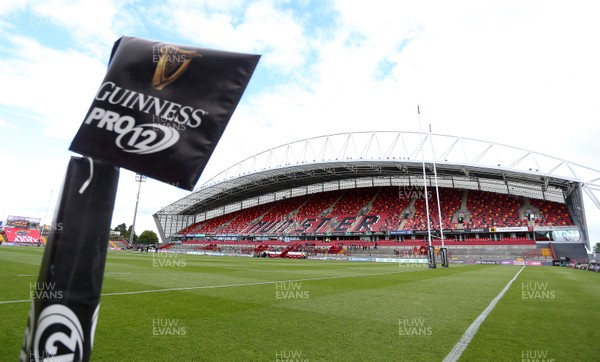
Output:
(382, 158)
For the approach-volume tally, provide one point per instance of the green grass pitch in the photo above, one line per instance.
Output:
(203, 308)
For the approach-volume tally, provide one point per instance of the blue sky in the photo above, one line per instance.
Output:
(523, 73)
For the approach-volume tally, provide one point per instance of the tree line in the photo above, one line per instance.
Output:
(146, 237)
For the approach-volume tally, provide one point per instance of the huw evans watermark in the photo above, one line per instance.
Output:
(413, 192)
(168, 327)
(42, 356)
(413, 264)
(37, 19)
(413, 327)
(536, 291)
(167, 260)
(290, 290)
(167, 122)
(45, 291)
(536, 356)
(289, 356)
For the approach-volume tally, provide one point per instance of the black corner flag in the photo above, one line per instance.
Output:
(160, 111)
(162, 108)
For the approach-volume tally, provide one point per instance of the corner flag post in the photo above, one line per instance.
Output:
(186, 86)
(66, 297)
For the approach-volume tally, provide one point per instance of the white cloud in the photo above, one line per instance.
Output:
(30, 185)
(55, 87)
(256, 27)
(276, 33)
(8, 6)
(480, 71)
(9, 125)
(92, 25)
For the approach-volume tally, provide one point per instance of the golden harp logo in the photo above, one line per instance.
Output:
(171, 64)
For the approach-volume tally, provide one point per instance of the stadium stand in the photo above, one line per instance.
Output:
(381, 210)
(575, 252)
(367, 221)
(450, 200)
(386, 205)
(493, 210)
(464, 251)
(119, 243)
(550, 213)
(245, 218)
(24, 236)
(364, 192)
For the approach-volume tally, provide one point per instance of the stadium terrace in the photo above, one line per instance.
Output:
(370, 190)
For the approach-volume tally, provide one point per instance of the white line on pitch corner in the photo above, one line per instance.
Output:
(464, 341)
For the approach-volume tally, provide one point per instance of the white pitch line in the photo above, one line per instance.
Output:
(243, 284)
(15, 301)
(224, 285)
(464, 341)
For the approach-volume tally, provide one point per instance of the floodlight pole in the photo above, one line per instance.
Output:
(43, 221)
(138, 178)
